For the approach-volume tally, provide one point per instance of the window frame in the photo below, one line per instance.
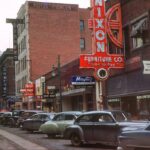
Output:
(82, 44)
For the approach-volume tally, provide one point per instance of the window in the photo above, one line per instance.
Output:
(85, 118)
(69, 117)
(139, 32)
(81, 25)
(137, 42)
(59, 117)
(103, 118)
(82, 44)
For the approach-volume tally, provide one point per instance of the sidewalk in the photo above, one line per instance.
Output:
(13, 142)
(6, 144)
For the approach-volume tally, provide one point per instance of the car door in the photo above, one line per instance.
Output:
(39, 120)
(105, 128)
(35, 121)
(58, 120)
(86, 123)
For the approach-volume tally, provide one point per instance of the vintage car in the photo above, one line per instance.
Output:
(12, 120)
(99, 127)
(34, 122)
(25, 115)
(135, 140)
(59, 123)
(4, 116)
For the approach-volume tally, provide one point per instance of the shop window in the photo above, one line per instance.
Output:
(139, 33)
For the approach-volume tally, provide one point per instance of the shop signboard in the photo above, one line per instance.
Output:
(82, 80)
(29, 90)
(103, 24)
(146, 65)
(51, 92)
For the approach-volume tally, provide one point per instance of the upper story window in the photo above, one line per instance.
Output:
(81, 25)
(139, 33)
(82, 44)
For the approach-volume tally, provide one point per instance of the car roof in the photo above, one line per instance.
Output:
(45, 113)
(71, 112)
(97, 111)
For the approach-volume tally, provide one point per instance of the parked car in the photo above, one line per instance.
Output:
(4, 116)
(135, 140)
(25, 115)
(12, 120)
(34, 122)
(99, 127)
(59, 123)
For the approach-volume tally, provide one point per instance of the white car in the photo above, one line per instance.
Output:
(58, 124)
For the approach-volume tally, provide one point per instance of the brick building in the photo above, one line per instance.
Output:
(7, 80)
(129, 88)
(77, 88)
(47, 30)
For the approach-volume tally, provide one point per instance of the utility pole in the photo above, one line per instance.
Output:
(60, 90)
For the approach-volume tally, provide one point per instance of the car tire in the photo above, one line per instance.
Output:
(76, 140)
(51, 136)
(11, 123)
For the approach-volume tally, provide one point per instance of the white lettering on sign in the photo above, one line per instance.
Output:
(100, 35)
(100, 23)
(100, 47)
(100, 31)
(118, 59)
(98, 3)
(97, 59)
(99, 12)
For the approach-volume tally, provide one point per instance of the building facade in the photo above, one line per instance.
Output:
(129, 88)
(46, 31)
(7, 78)
(74, 89)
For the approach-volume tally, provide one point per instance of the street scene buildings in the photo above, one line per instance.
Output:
(48, 40)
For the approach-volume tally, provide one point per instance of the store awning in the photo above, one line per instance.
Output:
(130, 84)
(74, 92)
(139, 28)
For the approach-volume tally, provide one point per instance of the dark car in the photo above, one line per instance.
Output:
(12, 120)
(4, 116)
(99, 127)
(138, 139)
(34, 122)
(25, 115)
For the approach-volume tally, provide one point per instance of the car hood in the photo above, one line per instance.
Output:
(133, 125)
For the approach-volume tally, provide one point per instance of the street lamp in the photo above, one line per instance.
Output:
(59, 78)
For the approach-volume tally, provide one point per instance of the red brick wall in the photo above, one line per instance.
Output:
(134, 9)
(53, 31)
(86, 33)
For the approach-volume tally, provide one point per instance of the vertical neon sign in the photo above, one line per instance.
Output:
(102, 25)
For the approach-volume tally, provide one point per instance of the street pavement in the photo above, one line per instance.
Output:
(5, 144)
(13, 142)
(16, 139)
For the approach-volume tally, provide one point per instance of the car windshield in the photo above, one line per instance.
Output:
(27, 114)
(119, 116)
(15, 113)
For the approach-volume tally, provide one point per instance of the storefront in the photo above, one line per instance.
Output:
(81, 99)
(133, 89)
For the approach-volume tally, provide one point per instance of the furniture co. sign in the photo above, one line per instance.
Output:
(103, 24)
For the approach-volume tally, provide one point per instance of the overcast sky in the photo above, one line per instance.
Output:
(9, 9)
